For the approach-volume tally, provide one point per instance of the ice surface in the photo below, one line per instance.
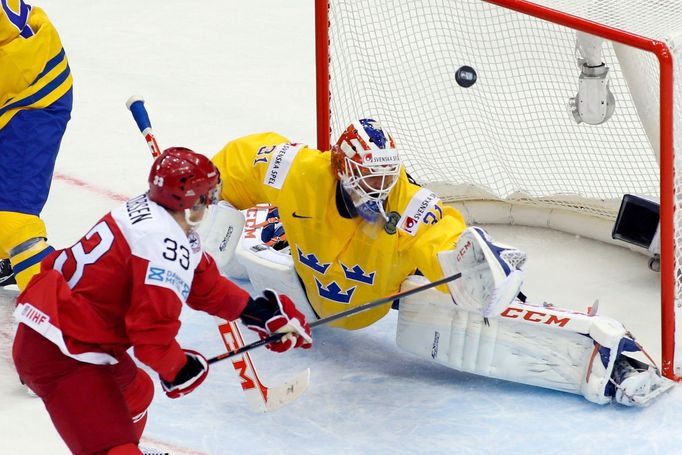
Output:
(214, 70)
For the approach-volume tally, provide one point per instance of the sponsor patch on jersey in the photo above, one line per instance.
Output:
(161, 276)
(280, 163)
(417, 209)
(194, 242)
(32, 317)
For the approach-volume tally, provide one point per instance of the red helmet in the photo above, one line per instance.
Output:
(180, 178)
(366, 161)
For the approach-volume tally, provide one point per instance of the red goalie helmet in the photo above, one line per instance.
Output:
(180, 178)
(366, 161)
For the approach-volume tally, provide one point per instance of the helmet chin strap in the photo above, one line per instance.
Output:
(382, 211)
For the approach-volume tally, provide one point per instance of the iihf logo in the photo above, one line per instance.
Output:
(158, 180)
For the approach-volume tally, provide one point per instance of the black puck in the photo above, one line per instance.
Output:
(466, 76)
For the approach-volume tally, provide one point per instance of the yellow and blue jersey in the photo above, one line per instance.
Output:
(343, 262)
(35, 107)
(34, 69)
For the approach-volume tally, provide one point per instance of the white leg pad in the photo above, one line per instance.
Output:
(268, 268)
(220, 232)
(529, 344)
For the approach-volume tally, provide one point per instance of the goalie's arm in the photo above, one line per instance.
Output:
(491, 278)
(439, 231)
(250, 167)
(491, 273)
(243, 164)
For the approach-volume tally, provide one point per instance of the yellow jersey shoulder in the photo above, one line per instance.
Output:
(30, 48)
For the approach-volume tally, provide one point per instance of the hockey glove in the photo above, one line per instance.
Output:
(491, 273)
(276, 313)
(189, 377)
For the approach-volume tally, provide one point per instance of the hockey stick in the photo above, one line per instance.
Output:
(261, 397)
(136, 106)
(341, 315)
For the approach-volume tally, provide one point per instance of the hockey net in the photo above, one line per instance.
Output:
(508, 149)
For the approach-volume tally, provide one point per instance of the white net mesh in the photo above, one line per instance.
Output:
(510, 136)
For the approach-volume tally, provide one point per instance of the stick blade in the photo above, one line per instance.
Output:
(280, 395)
(261, 397)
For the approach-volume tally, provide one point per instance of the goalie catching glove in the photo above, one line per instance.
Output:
(276, 313)
(491, 273)
(189, 377)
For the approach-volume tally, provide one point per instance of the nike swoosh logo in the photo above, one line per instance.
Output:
(295, 215)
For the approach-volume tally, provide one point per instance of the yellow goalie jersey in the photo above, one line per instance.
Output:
(34, 70)
(343, 262)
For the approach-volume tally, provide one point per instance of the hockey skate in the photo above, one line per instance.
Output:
(637, 383)
(6, 273)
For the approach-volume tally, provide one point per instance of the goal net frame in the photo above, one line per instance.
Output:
(671, 361)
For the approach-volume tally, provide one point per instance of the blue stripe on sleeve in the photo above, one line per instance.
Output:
(54, 61)
(40, 93)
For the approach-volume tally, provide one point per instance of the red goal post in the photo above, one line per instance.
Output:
(395, 60)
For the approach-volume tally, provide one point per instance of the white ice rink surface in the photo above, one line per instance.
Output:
(214, 70)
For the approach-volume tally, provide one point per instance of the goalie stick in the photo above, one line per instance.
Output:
(334, 317)
(261, 397)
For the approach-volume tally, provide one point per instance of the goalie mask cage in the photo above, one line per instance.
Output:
(507, 148)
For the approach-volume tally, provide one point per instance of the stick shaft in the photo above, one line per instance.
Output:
(384, 300)
(136, 106)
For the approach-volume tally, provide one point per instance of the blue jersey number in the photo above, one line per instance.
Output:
(262, 155)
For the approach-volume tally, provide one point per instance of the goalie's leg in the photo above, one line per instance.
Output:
(220, 231)
(637, 383)
(535, 345)
(236, 240)
(266, 265)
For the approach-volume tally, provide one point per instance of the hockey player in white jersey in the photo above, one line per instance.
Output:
(359, 229)
(123, 285)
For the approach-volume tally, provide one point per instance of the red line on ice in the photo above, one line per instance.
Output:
(89, 186)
